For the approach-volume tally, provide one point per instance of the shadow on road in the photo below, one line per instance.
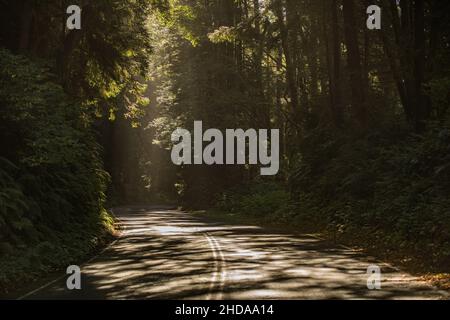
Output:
(166, 254)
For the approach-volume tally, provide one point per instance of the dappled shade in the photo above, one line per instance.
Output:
(166, 255)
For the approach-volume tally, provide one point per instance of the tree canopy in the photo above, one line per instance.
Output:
(87, 116)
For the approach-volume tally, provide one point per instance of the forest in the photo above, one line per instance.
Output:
(86, 118)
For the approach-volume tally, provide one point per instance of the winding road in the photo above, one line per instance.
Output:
(168, 254)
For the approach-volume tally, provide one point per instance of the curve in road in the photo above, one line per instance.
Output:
(168, 254)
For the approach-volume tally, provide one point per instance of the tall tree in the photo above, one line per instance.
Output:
(358, 100)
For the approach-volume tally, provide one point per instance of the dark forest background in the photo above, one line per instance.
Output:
(86, 118)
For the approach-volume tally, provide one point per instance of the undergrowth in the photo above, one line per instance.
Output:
(52, 185)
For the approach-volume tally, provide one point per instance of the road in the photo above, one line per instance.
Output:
(167, 254)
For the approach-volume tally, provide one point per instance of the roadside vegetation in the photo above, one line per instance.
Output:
(86, 118)
(52, 180)
(363, 116)
(60, 91)
(388, 197)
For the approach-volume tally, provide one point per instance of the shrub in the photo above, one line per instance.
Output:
(51, 179)
(388, 193)
(258, 198)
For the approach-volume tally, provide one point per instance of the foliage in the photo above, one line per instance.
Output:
(388, 194)
(362, 114)
(363, 117)
(52, 182)
(258, 199)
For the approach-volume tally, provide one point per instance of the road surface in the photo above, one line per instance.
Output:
(167, 254)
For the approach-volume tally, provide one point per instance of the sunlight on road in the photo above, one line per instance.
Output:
(175, 255)
(169, 230)
(168, 254)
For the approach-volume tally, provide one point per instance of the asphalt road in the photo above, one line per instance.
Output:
(167, 254)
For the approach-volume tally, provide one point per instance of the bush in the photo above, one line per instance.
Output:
(258, 198)
(389, 194)
(51, 179)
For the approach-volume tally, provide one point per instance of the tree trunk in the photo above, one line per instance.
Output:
(335, 66)
(354, 64)
(422, 103)
(290, 67)
(25, 26)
